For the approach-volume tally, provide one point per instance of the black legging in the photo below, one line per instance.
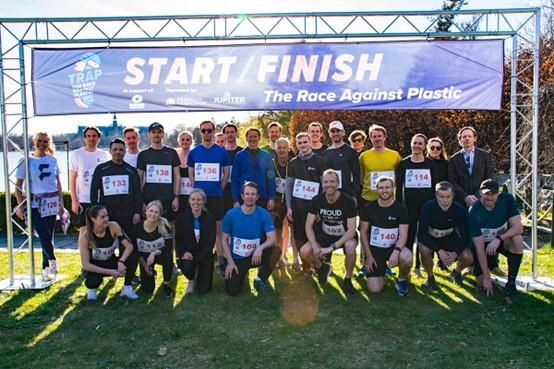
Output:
(148, 282)
(205, 270)
(94, 280)
(270, 257)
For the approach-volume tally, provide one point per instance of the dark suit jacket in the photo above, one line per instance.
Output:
(185, 240)
(458, 174)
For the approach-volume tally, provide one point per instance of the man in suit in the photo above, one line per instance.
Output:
(469, 167)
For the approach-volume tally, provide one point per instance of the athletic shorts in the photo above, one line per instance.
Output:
(168, 212)
(492, 260)
(216, 206)
(227, 198)
(279, 212)
(300, 210)
(83, 214)
(381, 256)
(451, 243)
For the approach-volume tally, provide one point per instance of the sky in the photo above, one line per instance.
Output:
(92, 8)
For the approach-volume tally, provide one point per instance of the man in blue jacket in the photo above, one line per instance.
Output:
(254, 164)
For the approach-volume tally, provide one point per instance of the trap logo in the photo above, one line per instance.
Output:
(83, 80)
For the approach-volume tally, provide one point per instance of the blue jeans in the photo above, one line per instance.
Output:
(45, 229)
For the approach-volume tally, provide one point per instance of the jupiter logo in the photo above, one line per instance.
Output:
(83, 81)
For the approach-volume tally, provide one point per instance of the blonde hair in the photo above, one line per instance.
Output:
(50, 150)
(163, 224)
(202, 193)
(444, 153)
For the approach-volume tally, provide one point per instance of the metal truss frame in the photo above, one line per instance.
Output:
(522, 26)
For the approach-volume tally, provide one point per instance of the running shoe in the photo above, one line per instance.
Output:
(46, 275)
(389, 272)
(323, 273)
(91, 294)
(168, 291)
(362, 272)
(136, 280)
(430, 285)
(401, 287)
(456, 277)
(347, 286)
(510, 291)
(127, 291)
(417, 273)
(53, 264)
(261, 285)
(220, 269)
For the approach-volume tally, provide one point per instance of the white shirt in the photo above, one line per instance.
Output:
(43, 173)
(84, 162)
(131, 159)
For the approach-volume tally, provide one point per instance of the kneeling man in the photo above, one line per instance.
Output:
(383, 233)
(330, 225)
(249, 241)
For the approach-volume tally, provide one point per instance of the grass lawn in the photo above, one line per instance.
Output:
(300, 325)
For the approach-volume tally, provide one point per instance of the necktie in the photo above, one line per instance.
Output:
(468, 164)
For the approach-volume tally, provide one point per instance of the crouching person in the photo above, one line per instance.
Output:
(97, 245)
(249, 241)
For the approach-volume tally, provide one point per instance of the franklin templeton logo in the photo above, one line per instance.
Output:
(83, 80)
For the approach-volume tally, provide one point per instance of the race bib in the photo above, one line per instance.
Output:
(158, 173)
(280, 184)
(375, 175)
(439, 233)
(243, 247)
(208, 172)
(383, 237)
(418, 178)
(305, 190)
(104, 253)
(49, 205)
(186, 186)
(150, 246)
(490, 234)
(115, 185)
(332, 230)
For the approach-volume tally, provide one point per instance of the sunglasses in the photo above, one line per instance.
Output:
(206, 130)
(358, 140)
(435, 148)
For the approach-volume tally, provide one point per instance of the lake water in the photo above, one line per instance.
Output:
(15, 157)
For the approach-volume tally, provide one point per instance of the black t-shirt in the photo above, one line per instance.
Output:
(332, 219)
(415, 182)
(147, 242)
(320, 151)
(158, 172)
(307, 170)
(345, 160)
(435, 223)
(382, 221)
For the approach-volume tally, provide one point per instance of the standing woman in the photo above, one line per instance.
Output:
(357, 141)
(185, 142)
(415, 183)
(46, 198)
(97, 245)
(195, 232)
(437, 152)
(155, 246)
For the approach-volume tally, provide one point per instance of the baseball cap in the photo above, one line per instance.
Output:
(336, 125)
(489, 185)
(154, 126)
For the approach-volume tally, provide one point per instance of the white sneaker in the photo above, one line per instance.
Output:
(91, 294)
(127, 291)
(47, 276)
(53, 266)
(190, 287)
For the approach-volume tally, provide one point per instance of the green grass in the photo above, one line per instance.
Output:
(299, 326)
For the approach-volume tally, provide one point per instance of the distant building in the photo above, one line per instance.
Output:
(108, 133)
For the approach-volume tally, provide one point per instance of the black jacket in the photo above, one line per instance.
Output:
(458, 174)
(185, 239)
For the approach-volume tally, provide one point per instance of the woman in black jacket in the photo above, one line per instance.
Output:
(195, 232)
(437, 151)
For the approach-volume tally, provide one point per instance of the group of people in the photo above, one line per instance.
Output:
(159, 205)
